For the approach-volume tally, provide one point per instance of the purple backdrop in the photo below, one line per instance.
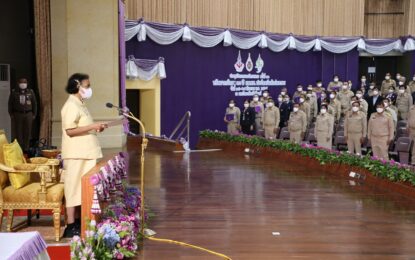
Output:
(191, 69)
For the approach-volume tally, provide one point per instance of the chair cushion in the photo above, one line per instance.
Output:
(4, 179)
(29, 193)
(13, 155)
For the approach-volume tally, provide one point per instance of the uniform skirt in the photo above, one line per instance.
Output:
(74, 170)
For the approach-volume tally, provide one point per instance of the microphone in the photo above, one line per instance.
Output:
(121, 110)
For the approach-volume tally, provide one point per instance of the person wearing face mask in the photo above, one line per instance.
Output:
(271, 120)
(380, 132)
(23, 111)
(283, 92)
(335, 85)
(411, 85)
(80, 146)
(285, 110)
(391, 94)
(259, 110)
(411, 130)
(362, 101)
(373, 101)
(386, 84)
(370, 91)
(299, 91)
(311, 100)
(344, 96)
(297, 124)
(232, 118)
(320, 100)
(279, 101)
(355, 129)
(318, 89)
(248, 119)
(323, 130)
(363, 83)
(265, 97)
(334, 106)
(305, 107)
(403, 103)
(391, 110)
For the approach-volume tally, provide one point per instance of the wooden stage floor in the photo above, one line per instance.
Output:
(232, 204)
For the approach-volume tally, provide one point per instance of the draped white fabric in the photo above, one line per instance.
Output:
(134, 72)
(166, 34)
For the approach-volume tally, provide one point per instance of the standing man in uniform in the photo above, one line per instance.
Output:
(403, 103)
(335, 85)
(355, 129)
(344, 96)
(271, 120)
(311, 100)
(305, 107)
(363, 103)
(298, 92)
(334, 106)
(297, 124)
(248, 119)
(387, 83)
(380, 132)
(23, 111)
(232, 118)
(259, 110)
(323, 130)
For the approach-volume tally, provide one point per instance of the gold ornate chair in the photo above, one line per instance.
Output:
(38, 194)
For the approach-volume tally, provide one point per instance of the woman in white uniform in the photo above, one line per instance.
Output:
(80, 146)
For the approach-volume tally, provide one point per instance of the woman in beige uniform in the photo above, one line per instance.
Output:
(323, 130)
(80, 146)
(355, 129)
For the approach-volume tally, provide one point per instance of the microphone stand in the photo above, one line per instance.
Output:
(143, 147)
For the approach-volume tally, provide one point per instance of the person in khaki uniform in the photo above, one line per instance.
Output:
(344, 96)
(334, 106)
(411, 85)
(318, 89)
(271, 120)
(380, 132)
(232, 118)
(386, 84)
(363, 103)
(311, 100)
(355, 129)
(259, 110)
(297, 124)
(403, 103)
(323, 130)
(80, 146)
(391, 110)
(411, 130)
(299, 92)
(335, 85)
(305, 107)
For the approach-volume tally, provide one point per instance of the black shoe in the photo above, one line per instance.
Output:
(70, 231)
(77, 223)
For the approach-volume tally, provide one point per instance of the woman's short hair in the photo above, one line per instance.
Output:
(74, 81)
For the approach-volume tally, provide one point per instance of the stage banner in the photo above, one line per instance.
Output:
(203, 80)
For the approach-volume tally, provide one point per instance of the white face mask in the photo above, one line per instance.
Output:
(295, 109)
(400, 83)
(336, 80)
(299, 89)
(413, 78)
(256, 99)
(309, 95)
(319, 85)
(390, 90)
(332, 96)
(371, 87)
(359, 95)
(344, 87)
(23, 85)
(363, 80)
(301, 100)
(309, 88)
(231, 105)
(283, 93)
(265, 94)
(270, 104)
(246, 105)
(323, 111)
(379, 110)
(355, 109)
(279, 99)
(402, 91)
(86, 93)
(375, 92)
(387, 77)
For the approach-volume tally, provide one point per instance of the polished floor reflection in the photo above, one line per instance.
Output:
(256, 208)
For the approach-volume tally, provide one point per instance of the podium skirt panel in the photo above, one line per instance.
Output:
(74, 170)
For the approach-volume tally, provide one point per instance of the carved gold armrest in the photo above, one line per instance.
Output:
(52, 163)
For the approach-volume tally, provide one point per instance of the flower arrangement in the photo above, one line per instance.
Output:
(392, 170)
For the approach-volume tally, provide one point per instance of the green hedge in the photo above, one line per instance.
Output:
(394, 171)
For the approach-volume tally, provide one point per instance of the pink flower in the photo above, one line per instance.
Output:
(94, 180)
